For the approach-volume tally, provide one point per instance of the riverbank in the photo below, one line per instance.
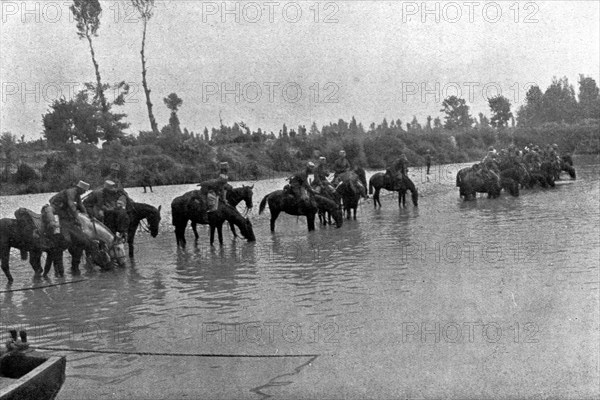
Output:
(36, 168)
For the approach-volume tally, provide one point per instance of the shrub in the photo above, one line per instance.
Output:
(25, 174)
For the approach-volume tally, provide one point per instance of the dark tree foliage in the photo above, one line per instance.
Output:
(457, 113)
(500, 107)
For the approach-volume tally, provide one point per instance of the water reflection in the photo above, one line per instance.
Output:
(534, 257)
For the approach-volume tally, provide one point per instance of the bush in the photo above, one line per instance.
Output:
(25, 174)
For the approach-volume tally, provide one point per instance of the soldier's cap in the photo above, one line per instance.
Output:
(310, 164)
(109, 185)
(342, 151)
(322, 158)
(427, 151)
(555, 145)
(115, 166)
(83, 185)
(224, 164)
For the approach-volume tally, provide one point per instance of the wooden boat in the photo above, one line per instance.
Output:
(27, 374)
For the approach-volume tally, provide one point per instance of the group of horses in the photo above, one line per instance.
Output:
(103, 246)
(100, 243)
(511, 177)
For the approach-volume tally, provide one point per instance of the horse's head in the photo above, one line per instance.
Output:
(100, 254)
(117, 252)
(247, 231)
(338, 216)
(247, 196)
(154, 221)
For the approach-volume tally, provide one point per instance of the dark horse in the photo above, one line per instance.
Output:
(470, 182)
(566, 164)
(20, 234)
(234, 197)
(351, 194)
(381, 180)
(190, 206)
(279, 201)
(137, 212)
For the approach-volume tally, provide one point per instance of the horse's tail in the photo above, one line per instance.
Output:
(370, 186)
(263, 204)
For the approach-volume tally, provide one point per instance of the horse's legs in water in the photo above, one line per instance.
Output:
(35, 259)
(376, 198)
(212, 234)
(4, 256)
(76, 253)
(310, 221)
(194, 230)
(274, 215)
(220, 232)
(232, 227)
(54, 256)
(130, 245)
(180, 232)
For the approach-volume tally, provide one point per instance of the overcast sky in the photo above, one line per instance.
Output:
(295, 62)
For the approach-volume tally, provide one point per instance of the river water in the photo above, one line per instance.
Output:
(490, 298)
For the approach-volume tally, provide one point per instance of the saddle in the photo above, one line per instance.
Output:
(37, 227)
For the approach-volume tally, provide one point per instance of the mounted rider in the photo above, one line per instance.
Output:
(343, 173)
(215, 190)
(299, 186)
(108, 206)
(340, 166)
(397, 171)
(489, 164)
(65, 204)
(114, 176)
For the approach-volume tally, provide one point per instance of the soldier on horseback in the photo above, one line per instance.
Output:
(65, 204)
(488, 165)
(396, 172)
(215, 190)
(300, 188)
(343, 172)
(108, 206)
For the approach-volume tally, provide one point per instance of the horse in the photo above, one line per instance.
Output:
(137, 212)
(190, 206)
(23, 233)
(381, 180)
(470, 182)
(279, 201)
(350, 198)
(234, 197)
(326, 190)
(566, 164)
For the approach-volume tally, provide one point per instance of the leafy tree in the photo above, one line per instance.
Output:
(483, 120)
(531, 114)
(173, 102)
(428, 125)
(558, 102)
(8, 144)
(313, 129)
(83, 119)
(145, 9)
(437, 123)
(87, 15)
(457, 113)
(589, 98)
(500, 107)
(353, 127)
(414, 125)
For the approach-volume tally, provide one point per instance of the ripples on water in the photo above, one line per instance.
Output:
(350, 295)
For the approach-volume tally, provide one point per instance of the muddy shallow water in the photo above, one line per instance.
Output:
(451, 299)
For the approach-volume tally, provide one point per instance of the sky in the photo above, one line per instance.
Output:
(266, 63)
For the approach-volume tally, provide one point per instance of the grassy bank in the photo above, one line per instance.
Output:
(180, 160)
